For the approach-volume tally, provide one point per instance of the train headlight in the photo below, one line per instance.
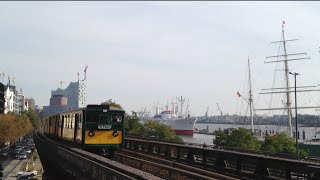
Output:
(91, 133)
(115, 133)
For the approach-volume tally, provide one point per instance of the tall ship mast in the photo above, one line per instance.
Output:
(250, 97)
(285, 58)
(249, 101)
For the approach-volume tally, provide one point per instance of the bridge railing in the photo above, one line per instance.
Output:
(229, 160)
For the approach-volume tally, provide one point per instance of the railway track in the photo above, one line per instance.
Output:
(131, 165)
(108, 168)
(140, 159)
(164, 168)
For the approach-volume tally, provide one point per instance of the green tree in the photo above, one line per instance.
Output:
(131, 122)
(156, 130)
(14, 126)
(242, 138)
(279, 143)
(221, 138)
(34, 118)
(112, 103)
(238, 138)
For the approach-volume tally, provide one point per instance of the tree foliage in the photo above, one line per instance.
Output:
(112, 103)
(34, 118)
(242, 138)
(131, 122)
(14, 126)
(221, 138)
(279, 143)
(238, 138)
(156, 130)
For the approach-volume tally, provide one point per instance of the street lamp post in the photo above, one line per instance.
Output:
(295, 97)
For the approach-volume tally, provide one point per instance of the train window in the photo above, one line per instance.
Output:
(104, 119)
(73, 120)
(91, 117)
(116, 118)
(96, 117)
(60, 121)
(80, 121)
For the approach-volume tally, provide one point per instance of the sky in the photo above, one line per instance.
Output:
(144, 54)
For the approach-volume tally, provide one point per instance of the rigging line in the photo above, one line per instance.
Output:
(244, 88)
(246, 113)
(275, 72)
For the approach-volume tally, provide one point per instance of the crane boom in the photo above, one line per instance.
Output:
(219, 109)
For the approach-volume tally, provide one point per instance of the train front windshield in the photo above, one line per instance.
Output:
(103, 119)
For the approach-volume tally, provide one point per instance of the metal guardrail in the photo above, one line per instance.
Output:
(265, 153)
(246, 164)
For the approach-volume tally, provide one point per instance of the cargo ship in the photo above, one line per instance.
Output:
(181, 124)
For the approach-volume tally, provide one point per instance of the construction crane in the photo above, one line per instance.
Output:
(219, 109)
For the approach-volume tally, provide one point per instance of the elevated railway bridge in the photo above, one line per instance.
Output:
(152, 159)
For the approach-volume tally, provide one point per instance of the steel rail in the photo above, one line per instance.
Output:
(175, 164)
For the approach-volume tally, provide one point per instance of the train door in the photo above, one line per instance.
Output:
(49, 126)
(56, 126)
(62, 125)
(75, 128)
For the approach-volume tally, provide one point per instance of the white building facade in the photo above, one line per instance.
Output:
(23, 102)
(12, 100)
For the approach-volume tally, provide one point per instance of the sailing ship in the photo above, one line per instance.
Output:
(284, 57)
(249, 101)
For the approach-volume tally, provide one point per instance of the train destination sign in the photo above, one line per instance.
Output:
(104, 126)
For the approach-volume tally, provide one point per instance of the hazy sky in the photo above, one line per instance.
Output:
(145, 53)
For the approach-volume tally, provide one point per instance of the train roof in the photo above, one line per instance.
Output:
(104, 106)
(90, 106)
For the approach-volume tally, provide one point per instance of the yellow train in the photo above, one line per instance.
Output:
(97, 128)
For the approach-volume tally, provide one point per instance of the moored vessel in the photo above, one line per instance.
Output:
(179, 124)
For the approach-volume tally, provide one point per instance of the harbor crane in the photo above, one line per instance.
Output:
(219, 109)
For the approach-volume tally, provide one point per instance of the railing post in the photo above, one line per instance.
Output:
(239, 164)
(221, 163)
(159, 149)
(151, 149)
(168, 152)
(190, 155)
(136, 146)
(261, 170)
(204, 157)
(288, 174)
(178, 152)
